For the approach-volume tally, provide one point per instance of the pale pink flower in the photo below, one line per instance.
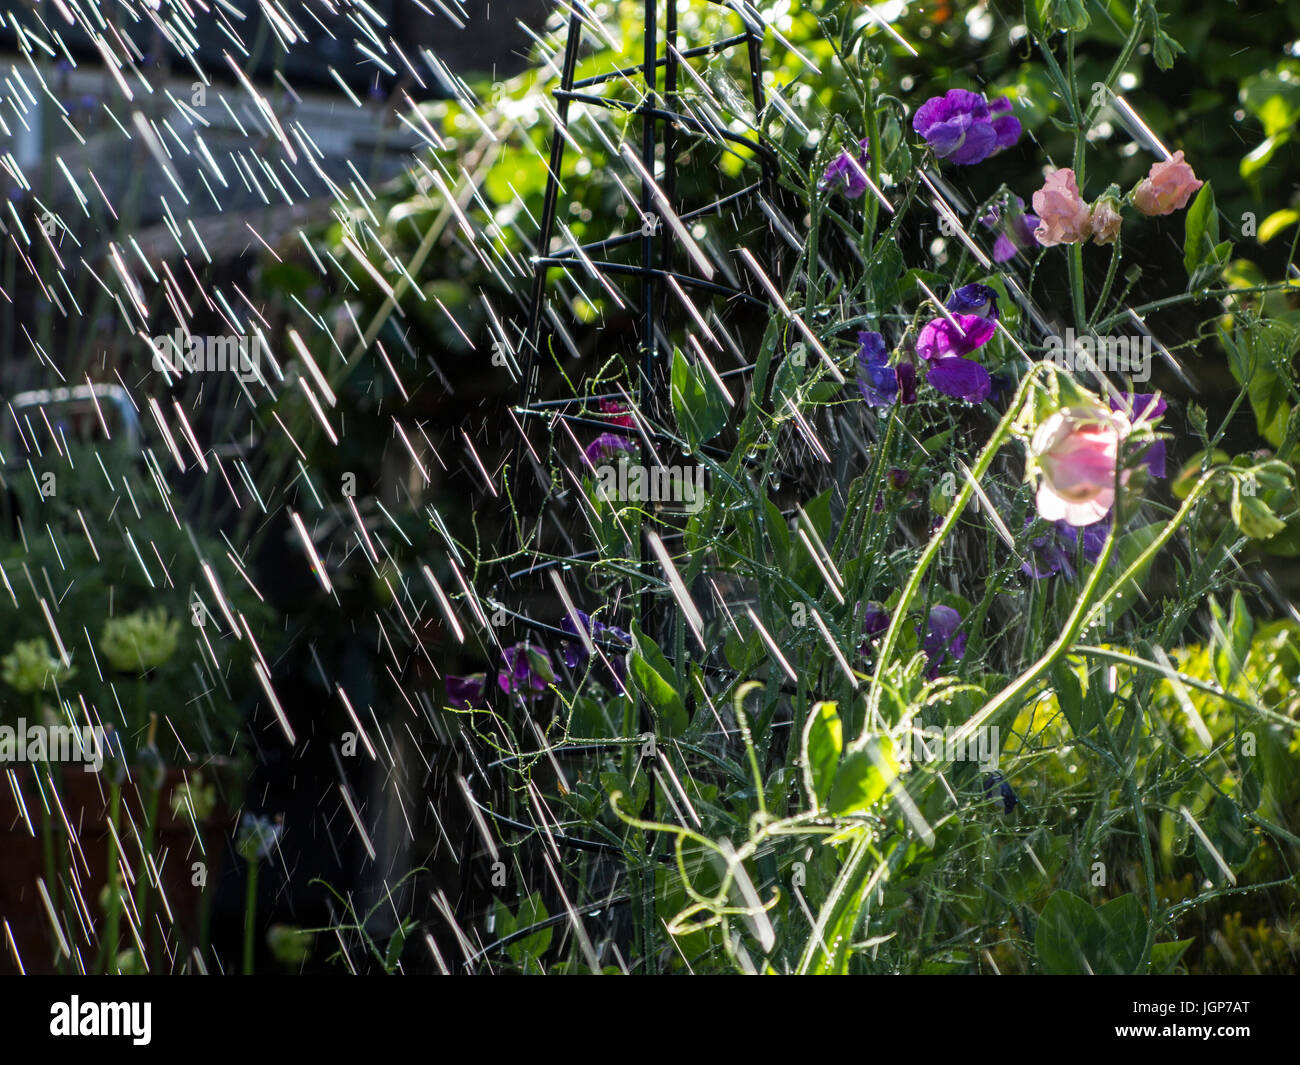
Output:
(1106, 220)
(1065, 218)
(1076, 451)
(1167, 187)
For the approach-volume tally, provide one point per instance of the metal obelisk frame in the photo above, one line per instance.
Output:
(652, 116)
(661, 120)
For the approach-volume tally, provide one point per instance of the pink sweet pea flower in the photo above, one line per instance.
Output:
(1076, 451)
(1106, 220)
(1064, 217)
(1166, 188)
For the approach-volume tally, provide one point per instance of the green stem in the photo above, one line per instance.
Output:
(112, 918)
(250, 914)
(963, 496)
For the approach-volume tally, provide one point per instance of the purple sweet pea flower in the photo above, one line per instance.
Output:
(939, 338)
(1015, 230)
(942, 638)
(1005, 791)
(963, 128)
(575, 654)
(906, 382)
(1005, 125)
(975, 299)
(1054, 551)
(606, 446)
(875, 620)
(463, 691)
(1145, 407)
(960, 378)
(877, 380)
(528, 670)
(848, 173)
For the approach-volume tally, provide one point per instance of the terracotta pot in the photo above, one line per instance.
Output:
(84, 798)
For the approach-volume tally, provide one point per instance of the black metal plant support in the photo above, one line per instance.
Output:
(661, 120)
(649, 274)
(653, 284)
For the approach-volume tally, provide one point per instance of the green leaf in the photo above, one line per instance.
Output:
(1068, 935)
(633, 795)
(778, 533)
(1253, 516)
(650, 670)
(1262, 154)
(698, 405)
(1069, 697)
(1125, 929)
(1074, 939)
(1249, 360)
(823, 742)
(860, 781)
(532, 911)
(1202, 230)
(395, 944)
(1276, 222)
(1165, 956)
(790, 375)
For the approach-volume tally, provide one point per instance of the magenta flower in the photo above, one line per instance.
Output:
(960, 378)
(940, 338)
(528, 671)
(848, 173)
(606, 446)
(964, 128)
(575, 654)
(974, 310)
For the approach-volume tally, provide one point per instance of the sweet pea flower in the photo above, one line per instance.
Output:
(943, 343)
(875, 620)
(940, 337)
(1064, 217)
(877, 380)
(1005, 791)
(606, 446)
(1076, 451)
(616, 413)
(942, 638)
(528, 671)
(848, 173)
(1106, 219)
(1142, 408)
(575, 654)
(462, 692)
(964, 128)
(960, 378)
(1016, 230)
(1167, 187)
(1054, 551)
